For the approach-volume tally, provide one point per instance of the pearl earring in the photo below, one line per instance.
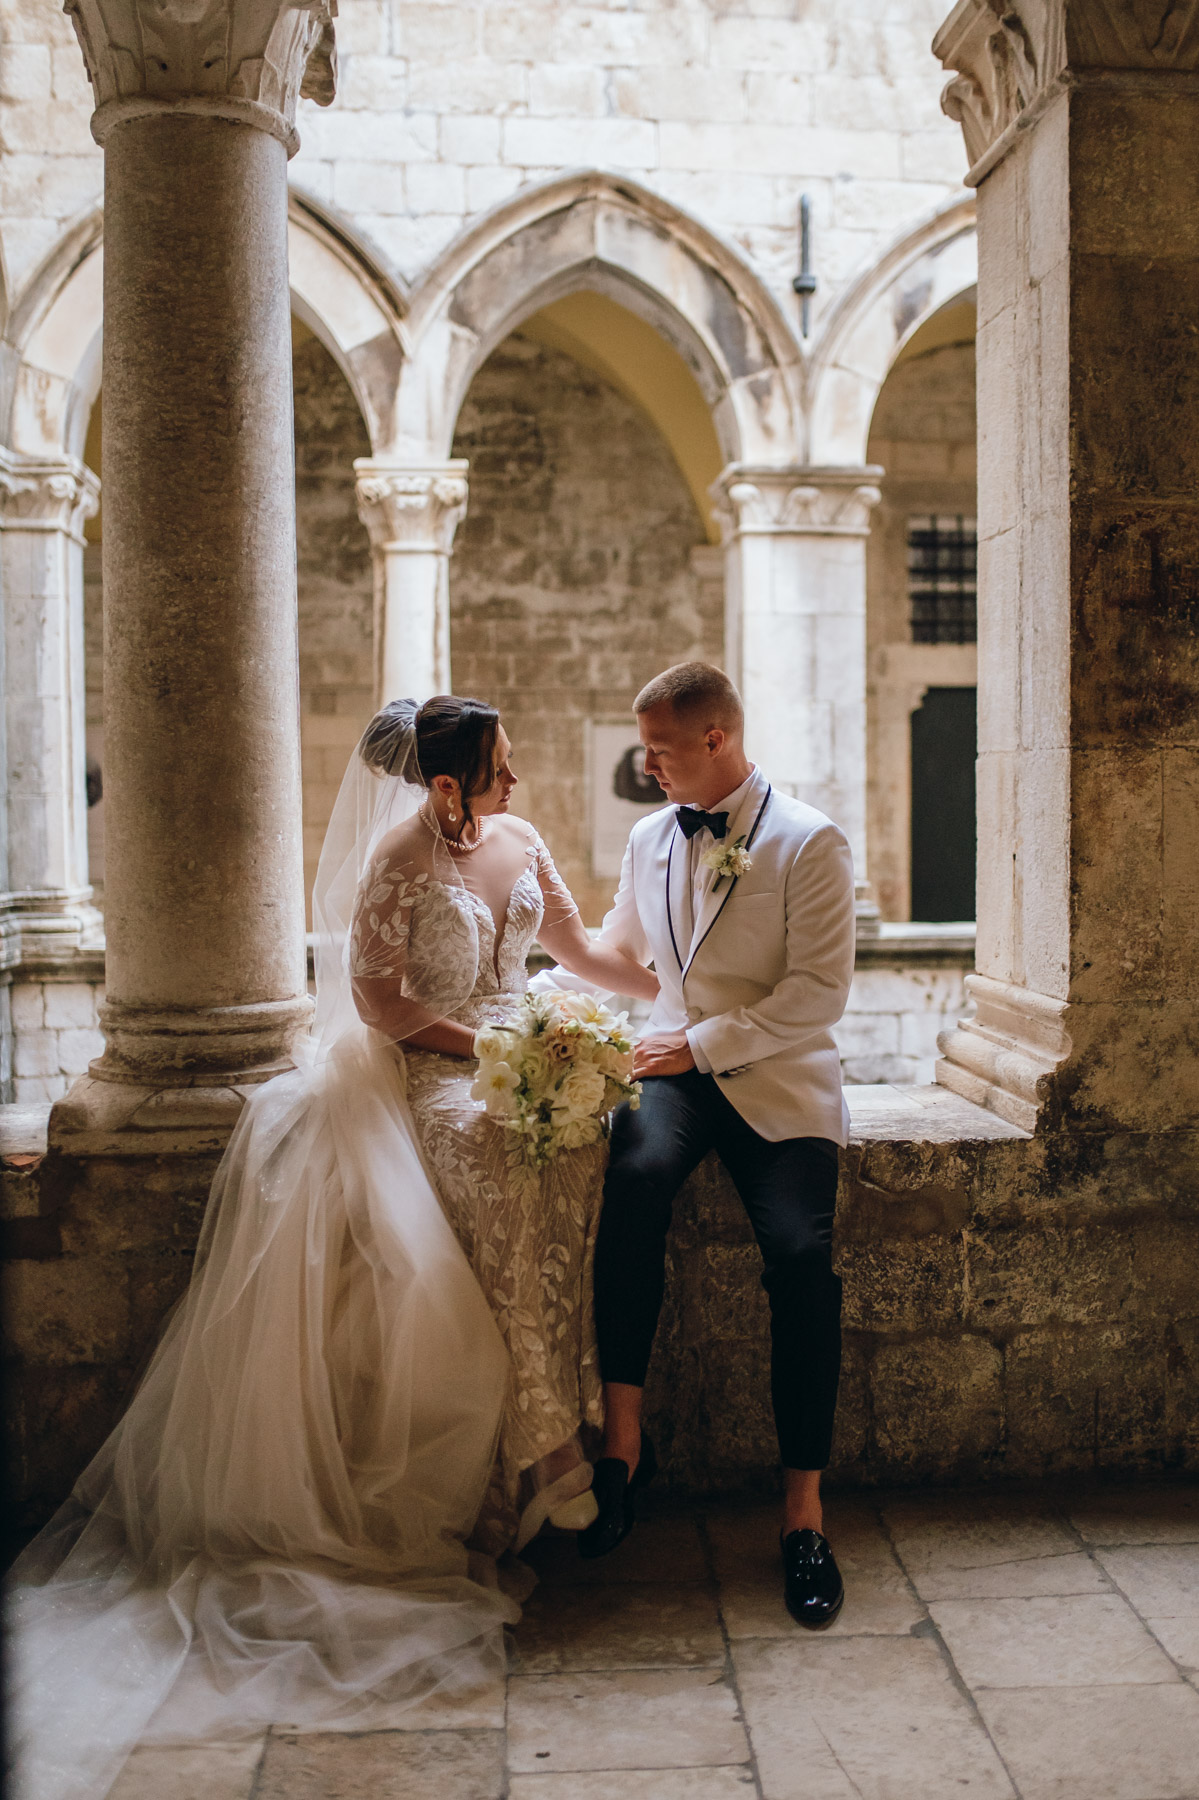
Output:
(453, 817)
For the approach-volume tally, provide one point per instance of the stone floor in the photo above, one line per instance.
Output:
(1044, 1645)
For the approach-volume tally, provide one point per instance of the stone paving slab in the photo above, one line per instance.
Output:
(1000, 1645)
(1098, 1743)
(384, 1765)
(205, 1772)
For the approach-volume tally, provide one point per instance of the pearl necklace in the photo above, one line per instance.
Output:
(451, 844)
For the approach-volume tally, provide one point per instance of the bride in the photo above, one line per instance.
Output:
(375, 1382)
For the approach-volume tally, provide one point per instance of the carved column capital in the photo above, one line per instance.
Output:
(56, 494)
(248, 60)
(411, 508)
(1006, 54)
(795, 501)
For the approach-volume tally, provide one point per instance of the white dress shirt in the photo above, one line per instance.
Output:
(702, 877)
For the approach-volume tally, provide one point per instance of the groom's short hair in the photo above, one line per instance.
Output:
(696, 692)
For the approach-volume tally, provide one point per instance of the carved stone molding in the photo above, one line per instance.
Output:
(406, 508)
(1008, 52)
(54, 495)
(248, 60)
(1006, 1056)
(795, 501)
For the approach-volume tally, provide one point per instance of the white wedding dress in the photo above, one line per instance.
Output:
(297, 1518)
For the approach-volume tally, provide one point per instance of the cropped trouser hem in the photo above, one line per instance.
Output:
(789, 1192)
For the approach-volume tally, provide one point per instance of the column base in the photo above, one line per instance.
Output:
(173, 1081)
(124, 1118)
(1005, 1057)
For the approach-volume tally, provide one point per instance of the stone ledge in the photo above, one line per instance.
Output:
(1015, 1307)
(909, 941)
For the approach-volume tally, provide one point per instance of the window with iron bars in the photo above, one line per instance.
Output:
(943, 578)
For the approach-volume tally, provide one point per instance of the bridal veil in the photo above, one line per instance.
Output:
(276, 1531)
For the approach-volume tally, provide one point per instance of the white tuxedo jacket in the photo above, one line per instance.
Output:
(764, 975)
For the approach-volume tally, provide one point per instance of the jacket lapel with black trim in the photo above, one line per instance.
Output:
(678, 893)
(746, 822)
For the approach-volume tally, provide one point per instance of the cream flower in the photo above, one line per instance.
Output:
(731, 860)
(495, 1085)
(580, 1093)
(491, 1043)
(585, 1008)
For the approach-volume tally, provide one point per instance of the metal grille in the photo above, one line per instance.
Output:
(943, 578)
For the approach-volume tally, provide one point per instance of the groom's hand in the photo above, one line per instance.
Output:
(665, 1053)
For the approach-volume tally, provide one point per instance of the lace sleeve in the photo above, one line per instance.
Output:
(383, 922)
(413, 948)
(556, 896)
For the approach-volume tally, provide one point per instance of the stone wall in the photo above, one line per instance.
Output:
(909, 984)
(56, 1028)
(722, 106)
(1013, 1307)
(573, 579)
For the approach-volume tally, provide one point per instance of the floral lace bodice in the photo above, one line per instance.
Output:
(441, 938)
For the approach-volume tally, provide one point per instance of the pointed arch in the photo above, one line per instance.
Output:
(603, 232)
(55, 330)
(869, 326)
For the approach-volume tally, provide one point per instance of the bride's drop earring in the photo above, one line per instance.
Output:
(452, 815)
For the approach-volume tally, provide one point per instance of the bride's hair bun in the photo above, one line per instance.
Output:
(446, 735)
(389, 742)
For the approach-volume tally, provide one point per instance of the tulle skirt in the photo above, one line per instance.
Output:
(277, 1530)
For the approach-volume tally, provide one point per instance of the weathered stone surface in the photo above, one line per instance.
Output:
(937, 1405)
(572, 582)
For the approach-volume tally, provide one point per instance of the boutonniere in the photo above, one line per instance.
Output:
(727, 859)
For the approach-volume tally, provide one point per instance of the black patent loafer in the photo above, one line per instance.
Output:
(812, 1585)
(615, 1496)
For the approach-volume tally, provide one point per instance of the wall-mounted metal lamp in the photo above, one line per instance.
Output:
(805, 282)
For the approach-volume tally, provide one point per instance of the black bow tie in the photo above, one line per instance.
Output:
(692, 820)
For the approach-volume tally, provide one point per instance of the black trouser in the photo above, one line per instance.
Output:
(789, 1190)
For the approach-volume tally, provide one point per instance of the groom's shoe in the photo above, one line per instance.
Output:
(615, 1493)
(813, 1588)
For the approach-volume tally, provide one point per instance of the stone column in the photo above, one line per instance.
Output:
(204, 886)
(43, 504)
(1081, 120)
(795, 633)
(411, 513)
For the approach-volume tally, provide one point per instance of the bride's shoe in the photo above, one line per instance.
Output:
(576, 1514)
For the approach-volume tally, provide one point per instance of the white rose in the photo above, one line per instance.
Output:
(491, 1044)
(581, 1093)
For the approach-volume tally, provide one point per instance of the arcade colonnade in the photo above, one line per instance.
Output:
(791, 489)
(1018, 1240)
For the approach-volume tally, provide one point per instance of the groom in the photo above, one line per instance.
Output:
(743, 900)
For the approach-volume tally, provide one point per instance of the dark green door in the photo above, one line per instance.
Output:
(944, 746)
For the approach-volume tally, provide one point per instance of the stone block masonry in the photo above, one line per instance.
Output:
(56, 1031)
(573, 577)
(1014, 1307)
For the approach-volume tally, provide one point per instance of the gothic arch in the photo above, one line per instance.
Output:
(603, 232)
(55, 330)
(869, 326)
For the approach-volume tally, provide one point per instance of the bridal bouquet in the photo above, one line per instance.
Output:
(552, 1070)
